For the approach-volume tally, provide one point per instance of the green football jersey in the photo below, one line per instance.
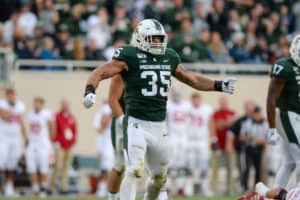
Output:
(147, 81)
(289, 99)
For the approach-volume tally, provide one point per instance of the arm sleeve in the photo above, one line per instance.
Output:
(244, 127)
(106, 110)
(280, 70)
(49, 115)
(96, 123)
(175, 60)
(121, 54)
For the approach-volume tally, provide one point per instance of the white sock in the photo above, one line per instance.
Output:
(163, 195)
(128, 188)
(102, 186)
(113, 196)
(35, 187)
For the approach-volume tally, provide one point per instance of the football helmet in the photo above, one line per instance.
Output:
(295, 49)
(146, 34)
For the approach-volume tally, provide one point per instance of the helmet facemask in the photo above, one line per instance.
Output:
(157, 44)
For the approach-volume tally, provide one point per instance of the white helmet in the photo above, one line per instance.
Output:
(142, 37)
(295, 49)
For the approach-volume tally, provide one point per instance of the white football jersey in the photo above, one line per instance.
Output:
(13, 127)
(199, 122)
(38, 126)
(177, 115)
(293, 194)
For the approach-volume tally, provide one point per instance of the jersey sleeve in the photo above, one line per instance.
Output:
(106, 110)
(175, 59)
(21, 107)
(122, 54)
(2, 105)
(48, 115)
(245, 127)
(281, 69)
(96, 122)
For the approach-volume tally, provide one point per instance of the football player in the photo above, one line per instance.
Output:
(199, 141)
(41, 132)
(177, 127)
(116, 102)
(284, 94)
(263, 192)
(102, 122)
(146, 67)
(11, 131)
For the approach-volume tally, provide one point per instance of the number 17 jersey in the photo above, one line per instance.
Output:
(147, 81)
(289, 99)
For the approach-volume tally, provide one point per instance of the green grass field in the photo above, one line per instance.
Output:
(65, 198)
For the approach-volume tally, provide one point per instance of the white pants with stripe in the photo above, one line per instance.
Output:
(146, 142)
(288, 126)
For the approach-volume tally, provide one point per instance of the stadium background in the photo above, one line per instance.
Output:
(272, 24)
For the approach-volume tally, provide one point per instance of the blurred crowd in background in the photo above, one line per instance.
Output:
(220, 31)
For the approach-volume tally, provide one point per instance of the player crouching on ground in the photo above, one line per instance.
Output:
(263, 192)
(146, 67)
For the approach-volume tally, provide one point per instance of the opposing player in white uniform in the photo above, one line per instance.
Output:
(41, 130)
(263, 192)
(177, 127)
(198, 141)
(104, 147)
(11, 130)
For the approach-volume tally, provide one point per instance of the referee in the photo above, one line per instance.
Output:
(254, 133)
(234, 135)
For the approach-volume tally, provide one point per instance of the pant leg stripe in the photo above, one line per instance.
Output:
(286, 123)
(113, 132)
(125, 134)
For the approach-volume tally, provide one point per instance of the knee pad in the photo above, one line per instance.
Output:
(135, 171)
(159, 179)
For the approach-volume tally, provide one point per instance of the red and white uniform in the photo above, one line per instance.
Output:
(10, 135)
(293, 194)
(104, 145)
(198, 136)
(39, 142)
(177, 120)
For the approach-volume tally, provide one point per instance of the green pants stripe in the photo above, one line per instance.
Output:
(286, 123)
(125, 134)
(113, 132)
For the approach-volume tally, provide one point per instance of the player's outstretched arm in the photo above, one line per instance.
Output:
(104, 71)
(115, 94)
(201, 82)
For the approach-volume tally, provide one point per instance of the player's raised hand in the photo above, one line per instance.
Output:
(228, 85)
(89, 96)
(272, 136)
